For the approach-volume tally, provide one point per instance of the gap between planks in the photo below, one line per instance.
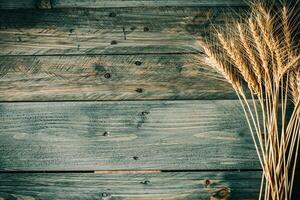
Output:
(125, 171)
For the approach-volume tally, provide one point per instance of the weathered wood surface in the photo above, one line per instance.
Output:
(117, 77)
(154, 186)
(107, 30)
(125, 135)
(144, 3)
(13, 4)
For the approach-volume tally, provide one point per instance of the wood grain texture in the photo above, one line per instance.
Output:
(117, 77)
(149, 186)
(13, 4)
(108, 30)
(144, 3)
(125, 135)
(17, 4)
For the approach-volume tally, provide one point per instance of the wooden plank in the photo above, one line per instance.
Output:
(46, 78)
(13, 4)
(144, 3)
(125, 135)
(107, 30)
(154, 186)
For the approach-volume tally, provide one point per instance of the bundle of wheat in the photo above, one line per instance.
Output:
(261, 52)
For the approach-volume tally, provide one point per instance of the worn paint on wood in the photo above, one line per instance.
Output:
(13, 4)
(116, 77)
(144, 3)
(154, 186)
(125, 135)
(108, 30)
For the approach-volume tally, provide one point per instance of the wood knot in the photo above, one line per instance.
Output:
(104, 194)
(200, 21)
(99, 69)
(202, 17)
(107, 75)
(44, 4)
(179, 68)
(221, 194)
(207, 182)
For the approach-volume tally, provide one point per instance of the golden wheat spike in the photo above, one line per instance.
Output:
(262, 52)
(291, 65)
(266, 25)
(286, 32)
(239, 63)
(294, 84)
(250, 53)
(226, 71)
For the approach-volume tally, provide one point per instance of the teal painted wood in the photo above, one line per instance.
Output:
(109, 135)
(144, 3)
(154, 186)
(108, 30)
(13, 4)
(17, 4)
(109, 77)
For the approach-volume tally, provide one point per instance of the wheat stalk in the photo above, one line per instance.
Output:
(267, 61)
(295, 85)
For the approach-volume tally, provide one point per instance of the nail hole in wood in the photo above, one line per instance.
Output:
(112, 14)
(138, 63)
(135, 158)
(113, 42)
(139, 90)
(145, 113)
(146, 29)
(145, 182)
(106, 133)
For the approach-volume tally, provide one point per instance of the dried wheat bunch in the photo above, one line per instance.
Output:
(262, 51)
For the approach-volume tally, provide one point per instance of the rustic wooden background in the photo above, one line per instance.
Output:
(111, 86)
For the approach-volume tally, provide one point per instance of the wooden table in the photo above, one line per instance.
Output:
(104, 100)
